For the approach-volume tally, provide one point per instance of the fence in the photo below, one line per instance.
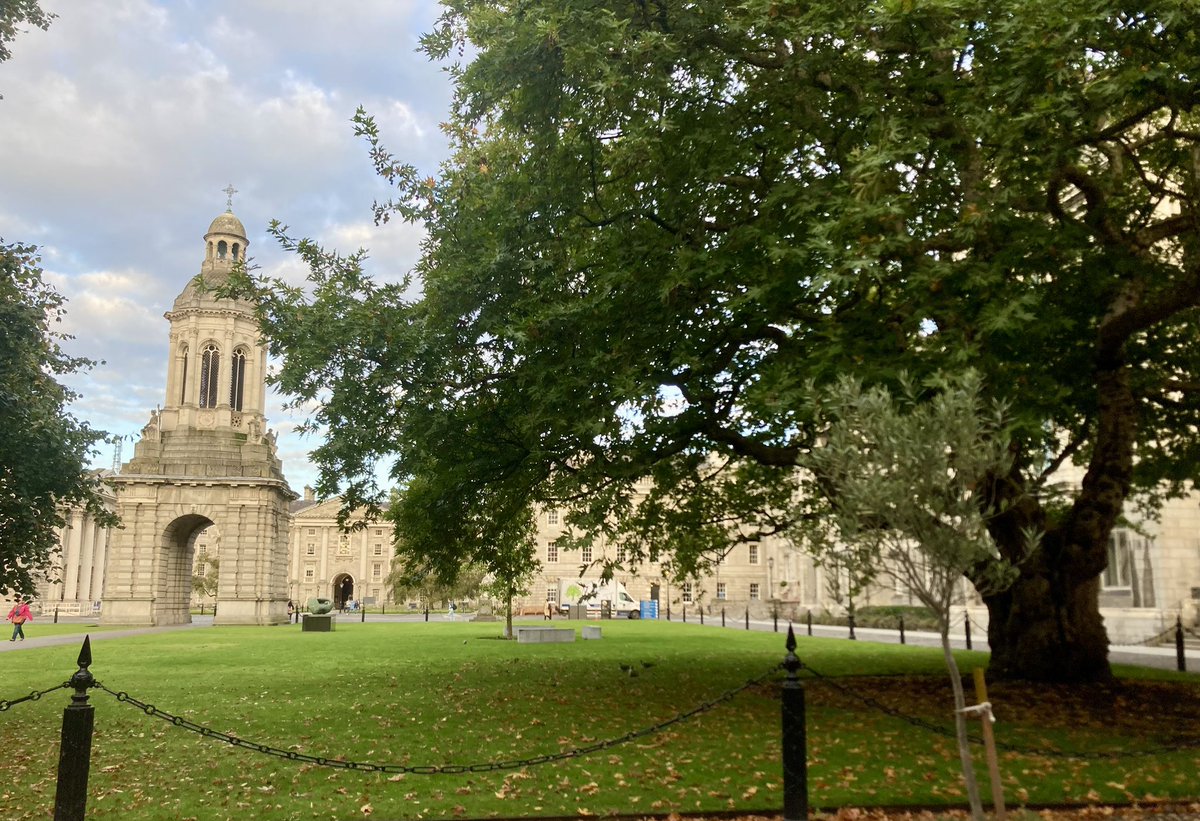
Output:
(77, 730)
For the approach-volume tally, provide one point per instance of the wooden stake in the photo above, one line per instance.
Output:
(989, 744)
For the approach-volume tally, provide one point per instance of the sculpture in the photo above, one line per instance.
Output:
(319, 606)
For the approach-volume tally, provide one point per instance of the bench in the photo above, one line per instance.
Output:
(543, 635)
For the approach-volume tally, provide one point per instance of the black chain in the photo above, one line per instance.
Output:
(1093, 755)
(433, 769)
(1152, 640)
(34, 696)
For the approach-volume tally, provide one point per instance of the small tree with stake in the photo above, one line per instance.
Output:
(893, 493)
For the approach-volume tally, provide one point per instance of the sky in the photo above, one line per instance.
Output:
(121, 125)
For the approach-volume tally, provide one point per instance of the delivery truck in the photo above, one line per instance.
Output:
(595, 594)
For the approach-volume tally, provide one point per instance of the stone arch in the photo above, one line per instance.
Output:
(151, 558)
(342, 589)
(173, 587)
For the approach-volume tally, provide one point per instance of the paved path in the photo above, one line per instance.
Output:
(1160, 657)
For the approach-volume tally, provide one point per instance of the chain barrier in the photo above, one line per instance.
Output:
(1158, 639)
(1091, 755)
(432, 769)
(8, 704)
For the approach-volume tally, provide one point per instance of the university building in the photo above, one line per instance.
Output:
(206, 481)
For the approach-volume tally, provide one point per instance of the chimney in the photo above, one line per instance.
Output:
(310, 495)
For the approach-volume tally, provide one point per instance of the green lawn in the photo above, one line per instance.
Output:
(453, 694)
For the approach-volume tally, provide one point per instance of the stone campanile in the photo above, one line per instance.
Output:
(205, 459)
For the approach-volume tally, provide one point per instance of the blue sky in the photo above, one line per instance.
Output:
(122, 123)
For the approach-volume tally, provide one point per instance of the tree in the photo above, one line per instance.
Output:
(411, 582)
(661, 224)
(892, 493)
(15, 12)
(206, 576)
(45, 450)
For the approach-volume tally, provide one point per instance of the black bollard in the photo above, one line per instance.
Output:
(685, 614)
(383, 609)
(967, 627)
(1180, 659)
(426, 612)
(808, 618)
(668, 611)
(775, 617)
(56, 615)
(795, 741)
(747, 618)
(364, 616)
(722, 616)
(902, 630)
(850, 619)
(702, 615)
(75, 749)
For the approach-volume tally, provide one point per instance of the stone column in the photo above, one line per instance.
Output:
(86, 559)
(99, 562)
(71, 557)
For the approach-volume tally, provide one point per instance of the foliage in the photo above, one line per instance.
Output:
(448, 692)
(412, 582)
(891, 489)
(15, 12)
(45, 450)
(661, 224)
(206, 575)
(892, 494)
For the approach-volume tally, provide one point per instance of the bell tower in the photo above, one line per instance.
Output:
(206, 458)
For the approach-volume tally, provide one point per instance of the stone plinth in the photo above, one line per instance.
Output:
(544, 635)
(590, 632)
(318, 623)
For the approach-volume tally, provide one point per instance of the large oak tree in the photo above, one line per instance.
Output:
(664, 224)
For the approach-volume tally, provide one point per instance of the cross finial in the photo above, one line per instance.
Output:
(229, 192)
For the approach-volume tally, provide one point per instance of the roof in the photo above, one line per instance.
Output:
(227, 223)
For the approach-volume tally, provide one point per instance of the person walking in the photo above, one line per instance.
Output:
(18, 616)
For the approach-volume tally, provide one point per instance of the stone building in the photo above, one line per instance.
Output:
(205, 459)
(205, 479)
(74, 585)
(325, 561)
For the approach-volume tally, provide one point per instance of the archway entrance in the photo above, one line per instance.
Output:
(343, 590)
(178, 553)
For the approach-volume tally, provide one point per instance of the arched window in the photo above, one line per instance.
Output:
(210, 368)
(236, 248)
(183, 376)
(222, 249)
(237, 378)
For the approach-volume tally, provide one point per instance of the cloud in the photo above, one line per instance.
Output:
(125, 120)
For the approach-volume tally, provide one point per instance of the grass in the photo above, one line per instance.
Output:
(451, 693)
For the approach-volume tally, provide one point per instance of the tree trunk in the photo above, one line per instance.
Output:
(1048, 629)
(960, 726)
(508, 628)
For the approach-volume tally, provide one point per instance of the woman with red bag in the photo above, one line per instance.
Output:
(18, 616)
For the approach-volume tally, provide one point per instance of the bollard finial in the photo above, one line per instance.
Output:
(82, 680)
(791, 662)
(85, 652)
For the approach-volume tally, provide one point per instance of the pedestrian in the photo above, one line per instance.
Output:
(18, 616)
(548, 612)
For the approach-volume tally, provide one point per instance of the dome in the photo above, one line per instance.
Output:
(227, 224)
